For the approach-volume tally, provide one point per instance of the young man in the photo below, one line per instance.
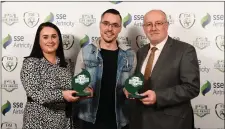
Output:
(109, 63)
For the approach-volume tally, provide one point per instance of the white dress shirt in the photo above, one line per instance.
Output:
(159, 47)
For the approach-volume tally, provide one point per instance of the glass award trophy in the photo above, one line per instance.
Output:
(80, 82)
(133, 84)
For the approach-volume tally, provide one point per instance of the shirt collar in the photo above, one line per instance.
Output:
(160, 45)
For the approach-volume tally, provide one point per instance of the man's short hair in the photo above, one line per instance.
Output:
(112, 11)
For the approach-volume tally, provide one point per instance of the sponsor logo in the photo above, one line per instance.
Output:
(218, 88)
(87, 19)
(201, 110)
(84, 41)
(219, 109)
(124, 40)
(187, 20)
(201, 42)
(9, 85)
(7, 41)
(220, 42)
(138, 20)
(218, 20)
(8, 125)
(205, 20)
(10, 19)
(68, 41)
(141, 41)
(219, 65)
(115, 2)
(60, 19)
(31, 19)
(9, 63)
(170, 19)
(127, 20)
(203, 68)
(205, 88)
(176, 38)
(6, 108)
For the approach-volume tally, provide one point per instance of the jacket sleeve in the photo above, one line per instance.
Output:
(134, 63)
(189, 78)
(31, 82)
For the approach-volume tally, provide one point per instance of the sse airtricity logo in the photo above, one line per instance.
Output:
(60, 19)
(84, 41)
(205, 88)
(6, 108)
(127, 20)
(205, 20)
(115, 2)
(7, 41)
(49, 18)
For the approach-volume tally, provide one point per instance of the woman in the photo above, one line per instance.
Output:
(46, 78)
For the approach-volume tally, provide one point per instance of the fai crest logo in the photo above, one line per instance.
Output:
(68, 41)
(141, 41)
(31, 19)
(87, 20)
(220, 42)
(9, 85)
(201, 42)
(187, 20)
(8, 125)
(9, 63)
(219, 108)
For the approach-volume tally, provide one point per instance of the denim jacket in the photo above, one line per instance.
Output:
(90, 59)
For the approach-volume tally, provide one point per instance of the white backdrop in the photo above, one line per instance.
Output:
(198, 23)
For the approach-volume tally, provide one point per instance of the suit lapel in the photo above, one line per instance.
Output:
(143, 54)
(162, 60)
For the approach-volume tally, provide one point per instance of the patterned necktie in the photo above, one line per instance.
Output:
(148, 68)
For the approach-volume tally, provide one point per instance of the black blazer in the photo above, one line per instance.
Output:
(176, 80)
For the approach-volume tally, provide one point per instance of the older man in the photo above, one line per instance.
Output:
(171, 72)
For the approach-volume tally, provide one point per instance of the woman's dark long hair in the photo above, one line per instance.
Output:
(37, 52)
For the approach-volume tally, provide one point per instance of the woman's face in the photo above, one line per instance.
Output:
(49, 40)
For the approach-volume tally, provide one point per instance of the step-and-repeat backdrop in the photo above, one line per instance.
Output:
(198, 23)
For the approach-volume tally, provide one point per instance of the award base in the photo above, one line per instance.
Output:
(135, 96)
(82, 94)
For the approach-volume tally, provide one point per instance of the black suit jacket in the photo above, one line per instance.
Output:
(175, 79)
